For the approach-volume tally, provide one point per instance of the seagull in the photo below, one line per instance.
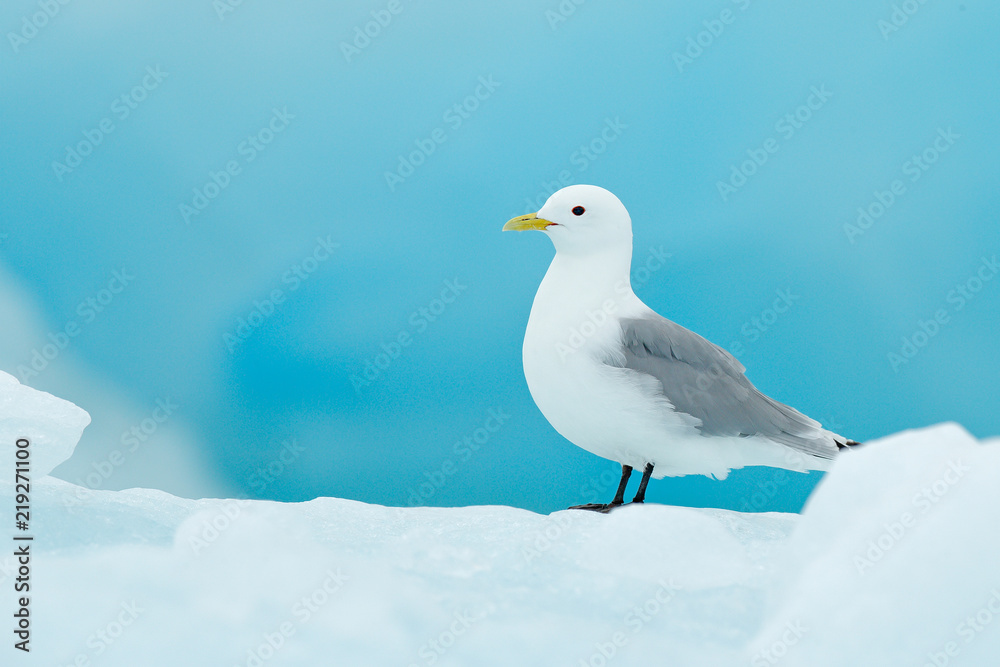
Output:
(618, 380)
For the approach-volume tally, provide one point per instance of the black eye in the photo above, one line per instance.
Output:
(578, 210)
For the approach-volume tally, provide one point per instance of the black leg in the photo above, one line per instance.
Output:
(619, 496)
(640, 495)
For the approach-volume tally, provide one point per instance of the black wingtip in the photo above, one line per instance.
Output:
(848, 443)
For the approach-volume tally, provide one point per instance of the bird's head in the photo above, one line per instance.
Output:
(580, 220)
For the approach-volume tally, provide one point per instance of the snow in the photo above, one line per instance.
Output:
(898, 549)
(891, 558)
(53, 425)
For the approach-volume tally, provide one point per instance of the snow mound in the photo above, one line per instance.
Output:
(895, 559)
(52, 426)
(891, 563)
(251, 583)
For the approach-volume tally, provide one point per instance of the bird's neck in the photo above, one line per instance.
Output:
(605, 267)
(577, 283)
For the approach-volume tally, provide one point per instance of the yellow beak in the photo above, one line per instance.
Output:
(523, 222)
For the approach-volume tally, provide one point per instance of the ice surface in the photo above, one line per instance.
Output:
(140, 577)
(893, 555)
(52, 426)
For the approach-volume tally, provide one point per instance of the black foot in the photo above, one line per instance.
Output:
(597, 507)
(619, 496)
(619, 500)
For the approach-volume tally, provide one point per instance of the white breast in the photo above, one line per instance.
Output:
(609, 411)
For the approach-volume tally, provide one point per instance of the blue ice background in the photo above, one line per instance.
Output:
(324, 175)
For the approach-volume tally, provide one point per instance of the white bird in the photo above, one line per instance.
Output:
(622, 382)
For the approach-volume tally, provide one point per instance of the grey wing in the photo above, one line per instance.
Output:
(701, 379)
